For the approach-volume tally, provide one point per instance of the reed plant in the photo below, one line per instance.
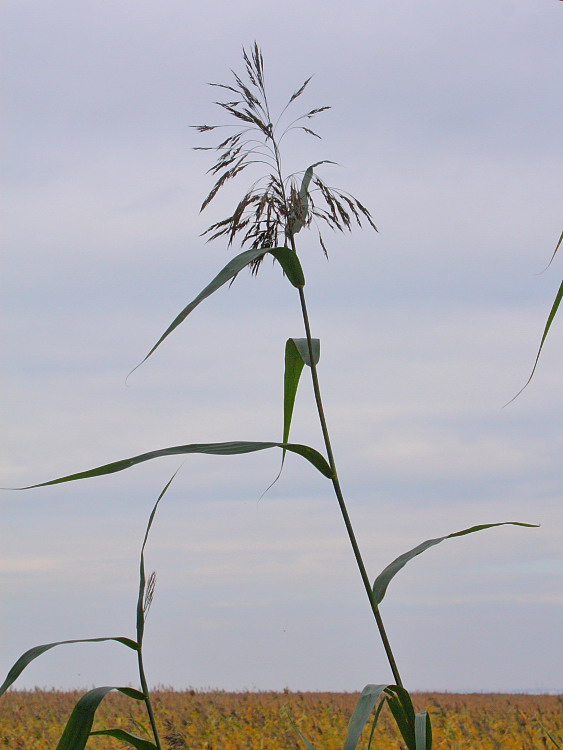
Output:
(267, 220)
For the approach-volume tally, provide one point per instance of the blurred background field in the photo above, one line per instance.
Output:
(33, 720)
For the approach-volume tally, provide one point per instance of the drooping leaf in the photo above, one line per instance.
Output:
(559, 243)
(296, 356)
(78, 727)
(217, 449)
(550, 735)
(289, 261)
(299, 221)
(550, 318)
(384, 578)
(306, 742)
(130, 739)
(141, 612)
(36, 651)
(364, 706)
(423, 731)
(232, 268)
(375, 719)
(401, 706)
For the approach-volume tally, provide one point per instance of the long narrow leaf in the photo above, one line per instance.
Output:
(299, 222)
(36, 651)
(289, 261)
(550, 318)
(306, 742)
(374, 722)
(131, 739)
(364, 706)
(296, 356)
(559, 243)
(384, 578)
(141, 614)
(217, 449)
(79, 725)
(423, 731)
(290, 265)
(401, 706)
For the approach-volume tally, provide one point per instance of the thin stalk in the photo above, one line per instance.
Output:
(330, 456)
(340, 496)
(146, 693)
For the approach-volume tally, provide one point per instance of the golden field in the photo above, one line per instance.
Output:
(33, 720)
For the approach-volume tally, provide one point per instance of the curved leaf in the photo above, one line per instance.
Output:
(362, 711)
(423, 731)
(400, 704)
(385, 577)
(550, 318)
(299, 222)
(77, 729)
(289, 261)
(296, 356)
(290, 265)
(141, 611)
(218, 449)
(131, 739)
(36, 651)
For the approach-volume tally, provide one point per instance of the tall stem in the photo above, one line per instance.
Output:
(146, 693)
(328, 446)
(340, 496)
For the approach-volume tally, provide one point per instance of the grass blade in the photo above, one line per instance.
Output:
(299, 221)
(364, 706)
(290, 265)
(36, 651)
(131, 739)
(550, 318)
(374, 722)
(551, 737)
(289, 261)
(401, 707)
(384, 578)
(423, 731)
(218, 449)
(296, 356)
(142, 577)
(77, 729)
(306, 742)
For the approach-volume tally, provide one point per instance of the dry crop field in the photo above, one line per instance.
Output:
(33, 720)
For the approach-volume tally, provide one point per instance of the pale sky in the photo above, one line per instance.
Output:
(446, 121)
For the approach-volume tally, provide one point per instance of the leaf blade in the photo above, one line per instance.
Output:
(132, 739)
(423, 731)
(236, 447)
(387, 574)
(78, 727)
(364, 706)
(28, 656)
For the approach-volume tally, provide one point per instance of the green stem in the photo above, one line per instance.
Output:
(146, 693)
(330, 455)
(340, 497)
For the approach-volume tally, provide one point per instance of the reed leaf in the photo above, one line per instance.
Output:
(296, 356)
(550, 318)
(285, 257)
(362, 711)
(423, 731)
(131, 739)
(36, 651)
(216, 449)
(384, 578)
(142, 605)
(78, 727)
(401, 706)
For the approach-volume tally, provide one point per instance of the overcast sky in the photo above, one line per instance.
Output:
(446, 123)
